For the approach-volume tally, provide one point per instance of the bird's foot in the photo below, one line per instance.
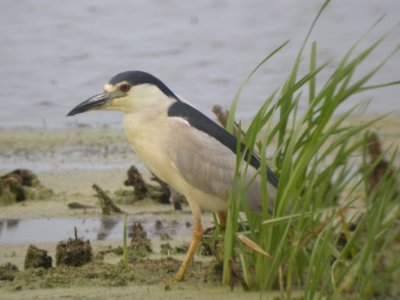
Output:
(176, 279)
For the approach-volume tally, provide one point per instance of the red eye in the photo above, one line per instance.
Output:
(125, 87)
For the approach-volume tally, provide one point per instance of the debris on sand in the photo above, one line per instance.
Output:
(20, 185)
(140, 244)
(8, 271)
(161, 192)
(24, 176)
(138, 232)
(135, 179)
(77, 205)
(164, 191)
(168, 195)
(382, 170)
(182, 248)
(37, 258)
(74, 252)
(167, 249)
(107, 205)
(142, 190)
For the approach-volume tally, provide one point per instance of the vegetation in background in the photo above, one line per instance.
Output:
(330, 234)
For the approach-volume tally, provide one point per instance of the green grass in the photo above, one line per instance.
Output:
(322, 164)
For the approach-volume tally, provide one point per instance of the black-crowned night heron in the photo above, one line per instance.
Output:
(180, 145)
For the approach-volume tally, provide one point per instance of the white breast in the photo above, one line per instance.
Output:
(150, 137)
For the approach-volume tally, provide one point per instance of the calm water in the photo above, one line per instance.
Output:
(93, 228)
(55, 54)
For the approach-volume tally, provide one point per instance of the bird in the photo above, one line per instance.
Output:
(182, 146)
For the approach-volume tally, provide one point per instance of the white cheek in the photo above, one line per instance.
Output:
(146, 95)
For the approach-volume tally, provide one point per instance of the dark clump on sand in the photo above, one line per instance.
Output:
(108, 206)
(37, 258)
(8, 271)
(161, 192)
(167, 249)
(74, 252)
(135, 179)
(20, 185)
(140, 244)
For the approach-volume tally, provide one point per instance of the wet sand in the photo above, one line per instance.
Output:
(139, 292)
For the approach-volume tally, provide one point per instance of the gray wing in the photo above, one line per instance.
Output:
(209, 165)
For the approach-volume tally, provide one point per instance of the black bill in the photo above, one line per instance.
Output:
(92, 103)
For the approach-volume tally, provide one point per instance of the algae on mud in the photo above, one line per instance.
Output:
(98, 273)
(145, 279)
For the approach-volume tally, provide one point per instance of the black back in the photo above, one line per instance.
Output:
(201, 122)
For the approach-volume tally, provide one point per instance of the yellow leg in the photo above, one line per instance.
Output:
(196, 239)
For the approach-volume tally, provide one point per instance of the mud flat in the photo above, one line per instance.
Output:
(69, 161)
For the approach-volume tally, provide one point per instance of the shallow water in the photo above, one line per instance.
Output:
(54, 55)
(92, 228)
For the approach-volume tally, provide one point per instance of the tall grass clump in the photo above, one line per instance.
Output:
(330, 235)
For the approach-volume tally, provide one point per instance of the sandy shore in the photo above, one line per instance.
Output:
(139, 292)
(69, 161)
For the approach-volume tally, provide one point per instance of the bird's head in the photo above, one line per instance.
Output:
(127, 92)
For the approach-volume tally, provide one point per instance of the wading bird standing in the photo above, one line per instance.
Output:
(180, 145)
